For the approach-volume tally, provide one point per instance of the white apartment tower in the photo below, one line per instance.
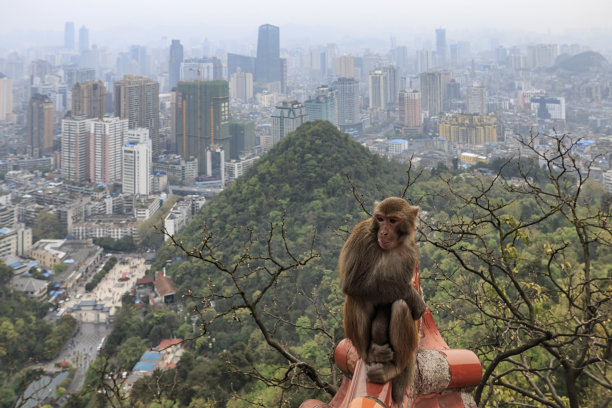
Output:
(75, 152)
(106, 139)
(378, 89)
(137, 163)
(476, 100)
(6, 97)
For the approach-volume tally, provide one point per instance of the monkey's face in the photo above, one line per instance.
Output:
(388, 235)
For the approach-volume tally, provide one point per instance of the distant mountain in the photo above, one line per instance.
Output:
(582, 62)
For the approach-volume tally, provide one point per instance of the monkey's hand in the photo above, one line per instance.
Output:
(416, 304)
(380, 353)
(380, 373)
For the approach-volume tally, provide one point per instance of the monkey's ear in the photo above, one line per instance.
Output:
(413, 211)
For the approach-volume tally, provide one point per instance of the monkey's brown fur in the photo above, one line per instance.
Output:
(381, 305)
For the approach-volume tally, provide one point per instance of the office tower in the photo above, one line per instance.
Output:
(324, 106)
(267, 63)
(424, 61)
(476, 100)
(245, 63)
(137, 162)
(287, 117)
(441, 47)
(348, 103)
(137, 100)
(410, 111)
(378, 89)
(468, 129)
(40, 125)
(202, 119)
(241, 86)
(83, 39)
(89, 99)
(431, 93)
(105, 142)
(174, 64)
(69, 35)
(75, 154)
(6, 97)
(283, 73)
(203, 69)
(345, 67)
(393, 84)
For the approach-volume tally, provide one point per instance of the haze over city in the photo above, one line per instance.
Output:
(115, 23)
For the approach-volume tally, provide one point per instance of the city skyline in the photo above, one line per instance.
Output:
(337, 21)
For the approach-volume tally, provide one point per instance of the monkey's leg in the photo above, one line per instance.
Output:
(400, 384)
(358, 324)
(380, 350)
(403, 334)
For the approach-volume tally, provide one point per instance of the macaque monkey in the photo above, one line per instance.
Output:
(376, 264)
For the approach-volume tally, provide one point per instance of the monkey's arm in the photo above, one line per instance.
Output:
(389, 291)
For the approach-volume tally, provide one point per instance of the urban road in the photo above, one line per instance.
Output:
(82, 349)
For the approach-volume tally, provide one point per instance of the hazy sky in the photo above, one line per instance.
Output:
(383, 18)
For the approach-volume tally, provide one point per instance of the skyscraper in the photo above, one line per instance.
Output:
(431, 93)
(83, 39)
(287, 117)
(476, 100)
(348, 103)
(201, 119)
(410, 111)
(105, 142)
(69, 35)
(345, 67)
(241, 86)
(89, 99)
(75, 153)
(6, 97)
(137, 100)
(174, 65)
(136, 178)
(324, 106)
(40, 125)
(441, 47)
(268, 63)
(378, 89)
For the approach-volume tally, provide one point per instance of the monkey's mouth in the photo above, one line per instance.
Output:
(385, 243)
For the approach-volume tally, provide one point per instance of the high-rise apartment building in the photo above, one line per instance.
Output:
(6, 97)
(287, 117)
(69, 35)
(378, 89)
(105, 141)
(468, 129)
(75, 153)
(137, 100)
(345, 67)
(424, 61)
(476, 100)
(40, 125)
(174, 64)
(89, 99)
(83, 39)
(268, 62)
(393, 84)
(201, 119)
(324, 106)
(137, 162)
(441, 48)
(241, 86)
(431, 93)
(74, 75)
(410, 111)
(348, 104)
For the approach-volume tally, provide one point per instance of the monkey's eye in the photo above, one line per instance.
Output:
(393, 220)
(380, 219)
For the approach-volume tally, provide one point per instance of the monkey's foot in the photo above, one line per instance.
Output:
(379, 373)
(381, 353)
